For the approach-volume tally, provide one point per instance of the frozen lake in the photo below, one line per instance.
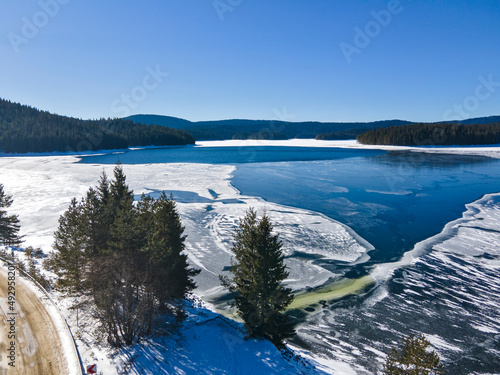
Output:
(395, 200)
(391, 199)
(379, 244)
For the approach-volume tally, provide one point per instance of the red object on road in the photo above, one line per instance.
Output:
(92, 369)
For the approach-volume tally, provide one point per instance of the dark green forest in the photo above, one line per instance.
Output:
(27, 129)
(433, 134)
(264, 129)
(276, 129)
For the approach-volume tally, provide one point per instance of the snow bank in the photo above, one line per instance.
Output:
(205, 343)
(491, 151)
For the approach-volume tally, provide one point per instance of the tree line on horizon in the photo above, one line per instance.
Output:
(263, 129)
(432, 135)
(26, 129)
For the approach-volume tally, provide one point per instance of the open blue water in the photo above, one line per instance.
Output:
(393, 200)
(226, 155)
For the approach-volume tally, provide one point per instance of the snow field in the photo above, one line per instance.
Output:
(42, 188)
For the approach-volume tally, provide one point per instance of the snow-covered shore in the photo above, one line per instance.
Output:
(488, 150)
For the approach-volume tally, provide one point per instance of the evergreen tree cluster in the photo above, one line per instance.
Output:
(433, 134)
(340, 135)
(26, 129)
(258, 272)
(413, 358)
(9, 224)
(128, 258)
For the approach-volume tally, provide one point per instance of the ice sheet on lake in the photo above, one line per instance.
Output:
(448, 288)
(42, 188)
(488, 150)
(477, 233)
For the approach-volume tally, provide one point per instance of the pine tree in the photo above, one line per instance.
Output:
(120, 193)
(171, 277)
(258, 272)
(69, 259)
(413, 358)
(9, 225)
(129, 258)
(101, 215)
(118, 281)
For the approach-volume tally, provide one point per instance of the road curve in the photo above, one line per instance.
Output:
(37, 343)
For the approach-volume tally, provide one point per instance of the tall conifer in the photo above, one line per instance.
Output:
(69, 262)
(9, 224)
(128, 257)
(257, 284)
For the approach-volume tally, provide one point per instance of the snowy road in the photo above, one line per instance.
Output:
(36, 344)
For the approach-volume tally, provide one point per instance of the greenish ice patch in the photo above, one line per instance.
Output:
(332, 291)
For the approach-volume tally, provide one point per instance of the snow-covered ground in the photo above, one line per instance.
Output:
(42, 187)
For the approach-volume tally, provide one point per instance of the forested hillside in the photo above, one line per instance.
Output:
(26, 129)
(264, 129)
(275, 129)
(433, 134)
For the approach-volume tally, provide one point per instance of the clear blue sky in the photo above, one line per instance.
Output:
(256, 59)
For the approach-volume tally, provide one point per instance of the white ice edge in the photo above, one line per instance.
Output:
(362, 242)
(486, 150)
(384, 271)
(489, 150)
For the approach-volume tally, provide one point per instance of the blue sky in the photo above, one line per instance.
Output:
(323, 60)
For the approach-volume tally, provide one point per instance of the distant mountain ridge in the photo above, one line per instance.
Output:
(270, 129)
